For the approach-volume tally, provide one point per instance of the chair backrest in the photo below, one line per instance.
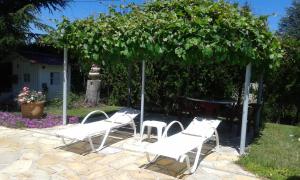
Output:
(122, 115)
(202, 127)
(132, 112)
(116, 115)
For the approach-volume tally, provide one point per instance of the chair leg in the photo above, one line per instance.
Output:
(91, 144)
(195, 165)
(159, 133)
(103, 140)
(63, 140)
(217, 140)
(132, 124)
(149, 131)
(134, 129)
(65, 143)
(149, 159)
(142, 133)
(187, 160)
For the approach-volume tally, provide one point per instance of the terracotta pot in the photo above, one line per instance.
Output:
(32, 110)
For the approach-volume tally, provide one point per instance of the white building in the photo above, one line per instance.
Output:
(38, 71)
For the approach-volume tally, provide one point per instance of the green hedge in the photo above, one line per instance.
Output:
(165, 82)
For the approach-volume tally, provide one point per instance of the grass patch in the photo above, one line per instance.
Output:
(276, 153)
(80, 112)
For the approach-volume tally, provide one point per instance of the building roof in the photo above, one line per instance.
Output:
(42, 58)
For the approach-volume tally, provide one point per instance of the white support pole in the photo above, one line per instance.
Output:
(65, 82)
(245, 108)
(142, 96)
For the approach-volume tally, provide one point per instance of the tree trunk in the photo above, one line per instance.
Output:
(92, 96)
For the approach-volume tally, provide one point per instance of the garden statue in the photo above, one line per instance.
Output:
(92, 96)
(32, 103)
(94, 73)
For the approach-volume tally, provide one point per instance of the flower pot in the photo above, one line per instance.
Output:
(32, 110)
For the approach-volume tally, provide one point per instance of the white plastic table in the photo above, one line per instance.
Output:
(156, 124)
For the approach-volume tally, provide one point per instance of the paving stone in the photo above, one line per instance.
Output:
(123, 161)
(148, 175)
(211, 157)
(40, 175)
(18, 166)
(240, 177)
(57, 177)
(77, 166)
(30, 156)
(9, 142)
(4, 176)
(22, 176)
(48, 160)
(69, 175)
(58, 167)
(206, 177)
(215, 171)
(131, 166)
(7, 157)
(101, 171)
(33, 154)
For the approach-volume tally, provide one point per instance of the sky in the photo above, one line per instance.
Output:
(79, 9)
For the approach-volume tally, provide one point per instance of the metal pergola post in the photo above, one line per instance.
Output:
(245, 109)
(65, 82)
(142, 96)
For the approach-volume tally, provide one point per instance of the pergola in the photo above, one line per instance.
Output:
(183, 31)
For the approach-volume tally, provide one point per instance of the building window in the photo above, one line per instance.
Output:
(54, 78)
(26, 77)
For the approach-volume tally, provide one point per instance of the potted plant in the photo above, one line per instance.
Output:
(32, 103)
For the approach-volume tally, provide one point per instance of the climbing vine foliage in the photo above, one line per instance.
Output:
(181, 31)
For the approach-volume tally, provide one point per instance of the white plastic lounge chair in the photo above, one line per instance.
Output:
(178, 145)
(85, 130)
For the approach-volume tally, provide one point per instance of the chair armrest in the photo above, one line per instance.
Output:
(93, 112)
(169, 126)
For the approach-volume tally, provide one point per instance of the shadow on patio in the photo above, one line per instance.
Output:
(122, 140)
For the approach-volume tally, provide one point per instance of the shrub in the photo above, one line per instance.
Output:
(74, 100)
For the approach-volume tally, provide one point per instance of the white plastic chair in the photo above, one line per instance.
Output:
(85, 130)
(178, 145)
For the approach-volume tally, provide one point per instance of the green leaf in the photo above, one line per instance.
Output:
(95, 57)
(207, 52)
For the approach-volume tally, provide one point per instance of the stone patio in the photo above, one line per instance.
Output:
(38, 154)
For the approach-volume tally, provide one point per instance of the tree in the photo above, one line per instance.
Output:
(290, 24)
(16, 17)
(283, 86)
